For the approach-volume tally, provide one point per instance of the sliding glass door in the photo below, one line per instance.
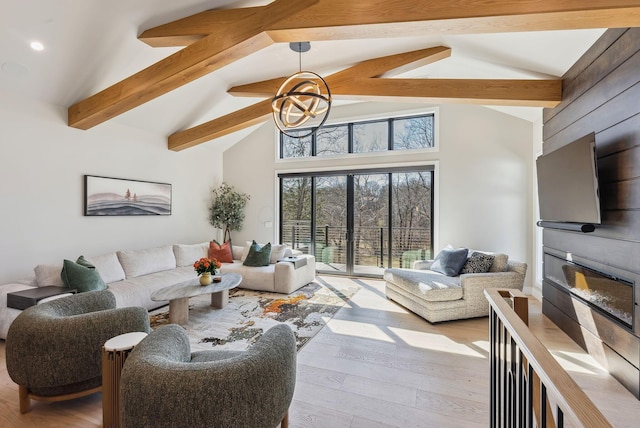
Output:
(359, 222)
(330, 231)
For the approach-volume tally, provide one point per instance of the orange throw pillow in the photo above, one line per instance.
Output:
(222, 253)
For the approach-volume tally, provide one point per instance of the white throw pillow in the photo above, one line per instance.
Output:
(108, 266)
(187, 255)
(142, 262)
(49, 275)
(277, 252)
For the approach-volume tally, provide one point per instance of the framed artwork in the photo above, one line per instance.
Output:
(105, 196)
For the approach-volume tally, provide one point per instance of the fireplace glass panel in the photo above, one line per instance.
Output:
(612, 295)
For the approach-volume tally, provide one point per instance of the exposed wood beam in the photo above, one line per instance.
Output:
(339, 19)
(193, 28)
(232, 122)
(386, 66)
(230, 43)
(529, 93)
(364, 81)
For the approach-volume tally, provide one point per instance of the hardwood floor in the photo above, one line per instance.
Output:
(375, 365)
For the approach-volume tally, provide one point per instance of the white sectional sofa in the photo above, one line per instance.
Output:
(132, 276)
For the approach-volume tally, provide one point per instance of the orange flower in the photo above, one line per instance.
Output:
(206, 265)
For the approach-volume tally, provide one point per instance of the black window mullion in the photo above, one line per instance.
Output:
(390, 223)
(350, 225)
(390, 135)
(312, 250)
(350, 140)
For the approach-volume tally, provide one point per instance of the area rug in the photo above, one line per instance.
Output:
(251, 313)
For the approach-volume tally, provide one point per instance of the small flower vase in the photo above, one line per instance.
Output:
(205, 278)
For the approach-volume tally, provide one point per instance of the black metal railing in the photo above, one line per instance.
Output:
(370, 243)
(529, 388)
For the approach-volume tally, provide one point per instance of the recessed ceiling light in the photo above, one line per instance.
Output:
(36, 46)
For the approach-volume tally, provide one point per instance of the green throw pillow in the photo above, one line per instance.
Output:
(81, 275)
(258, 256)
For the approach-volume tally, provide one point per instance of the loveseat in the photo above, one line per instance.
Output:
(133, 275)
(436, 296)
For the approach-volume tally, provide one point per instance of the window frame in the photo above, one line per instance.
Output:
(434, 112)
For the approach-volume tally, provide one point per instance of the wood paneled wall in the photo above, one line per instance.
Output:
(601, 93)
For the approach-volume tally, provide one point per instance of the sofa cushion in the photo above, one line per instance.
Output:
(137, 291)
(449, 261)
(278, 252)
(187, 254)
(500, 263)
(142, 262)
(478, 263)
(258, 255)
(109, 267)
(425, 284)
(254, 278)
(222, 253)
(48, 275)
(500, 260)
(81, 275)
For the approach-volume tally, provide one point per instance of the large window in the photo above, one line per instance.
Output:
(402, 133)
(359, 222)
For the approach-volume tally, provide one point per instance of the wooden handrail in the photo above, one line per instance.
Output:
(525, 375)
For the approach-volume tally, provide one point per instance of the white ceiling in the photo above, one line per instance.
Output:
(92, 44)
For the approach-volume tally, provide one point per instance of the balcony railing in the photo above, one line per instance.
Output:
(370, 243)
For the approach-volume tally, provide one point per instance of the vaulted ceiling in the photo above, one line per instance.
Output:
(200, 54)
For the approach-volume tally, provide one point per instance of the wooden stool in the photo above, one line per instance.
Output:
(114, 354)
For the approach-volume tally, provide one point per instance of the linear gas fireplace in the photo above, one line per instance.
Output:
(597, 309)
(612, 296)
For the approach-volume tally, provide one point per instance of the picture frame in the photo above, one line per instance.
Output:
(109, 196)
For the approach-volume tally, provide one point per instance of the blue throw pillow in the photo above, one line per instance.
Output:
(450, 261)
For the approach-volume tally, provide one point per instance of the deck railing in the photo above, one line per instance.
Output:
(529, 388)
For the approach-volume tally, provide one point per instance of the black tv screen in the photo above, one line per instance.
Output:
(568, 183)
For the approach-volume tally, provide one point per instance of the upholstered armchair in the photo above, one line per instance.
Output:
(163, 384)
(53, 350)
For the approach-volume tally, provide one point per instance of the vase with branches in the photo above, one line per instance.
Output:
(227, 209)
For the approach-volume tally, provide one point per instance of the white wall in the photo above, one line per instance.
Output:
(485, 180)
(42, 164)
(484, 188)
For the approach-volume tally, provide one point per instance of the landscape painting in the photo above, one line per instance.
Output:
(104, 196)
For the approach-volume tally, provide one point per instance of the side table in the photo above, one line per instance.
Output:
(114, 353)
(34, 296)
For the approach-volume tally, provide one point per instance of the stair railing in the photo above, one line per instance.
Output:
(529, 388)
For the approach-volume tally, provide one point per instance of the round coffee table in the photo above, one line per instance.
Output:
(178, 295)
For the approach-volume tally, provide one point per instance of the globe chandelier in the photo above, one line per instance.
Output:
(303, 98)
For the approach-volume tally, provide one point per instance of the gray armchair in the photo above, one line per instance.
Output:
(53, 350)
(163, 384)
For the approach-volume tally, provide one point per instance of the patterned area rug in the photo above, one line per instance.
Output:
(250, 313)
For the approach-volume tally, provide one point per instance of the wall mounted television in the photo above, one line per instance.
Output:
(568, 183)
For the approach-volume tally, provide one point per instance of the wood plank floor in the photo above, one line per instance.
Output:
(375, 365)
